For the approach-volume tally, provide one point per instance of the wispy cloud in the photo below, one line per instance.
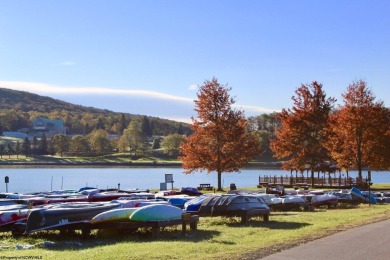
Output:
(255, 110)
(50, 89)
(43, 88)
(187, 120)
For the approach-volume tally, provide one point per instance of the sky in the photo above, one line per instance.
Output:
(150, 57)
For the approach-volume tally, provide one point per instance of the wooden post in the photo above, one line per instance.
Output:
(185, 218)
(155, 231)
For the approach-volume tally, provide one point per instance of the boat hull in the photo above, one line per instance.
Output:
(63, 215)
(366, 199)
(156, 213)
(321, 200)
(113, 215)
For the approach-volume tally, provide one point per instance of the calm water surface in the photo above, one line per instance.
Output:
(25, 180)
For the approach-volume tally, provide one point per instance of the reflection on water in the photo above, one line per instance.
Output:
(24, 180)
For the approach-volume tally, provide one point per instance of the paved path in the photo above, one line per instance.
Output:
(368, 242)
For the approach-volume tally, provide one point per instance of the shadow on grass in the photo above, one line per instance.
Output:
(56, 241)
(271, 225)
(282, 213)
(257, 222)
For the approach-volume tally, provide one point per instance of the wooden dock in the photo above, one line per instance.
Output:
(327, 182)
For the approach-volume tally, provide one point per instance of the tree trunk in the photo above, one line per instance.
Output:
(359, 155)
(312, 177)
(219, 181)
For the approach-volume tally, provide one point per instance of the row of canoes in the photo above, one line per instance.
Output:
(35, 212)
(53, 210)
(294, 199)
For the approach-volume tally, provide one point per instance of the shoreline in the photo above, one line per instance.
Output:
(265, 166)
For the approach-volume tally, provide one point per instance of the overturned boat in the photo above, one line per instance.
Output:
(244, 206)
(329, 200)
(65, 214)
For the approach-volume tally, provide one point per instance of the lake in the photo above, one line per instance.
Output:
(24, 180)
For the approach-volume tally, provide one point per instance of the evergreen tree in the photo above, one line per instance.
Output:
(9, 150)
(156, 143)
(43, 145)
(1, 151)
(180, 130)
(100, 124)
(17, 149)
(146, 129)
(34, 146)
(122, 123)
(26, 147)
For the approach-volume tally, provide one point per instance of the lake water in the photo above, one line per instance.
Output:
(23, 180)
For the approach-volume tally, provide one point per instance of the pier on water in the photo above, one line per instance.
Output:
(323, 182)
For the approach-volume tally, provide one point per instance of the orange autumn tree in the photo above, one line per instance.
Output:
(359, 132)
(300, 137)
(220, 141)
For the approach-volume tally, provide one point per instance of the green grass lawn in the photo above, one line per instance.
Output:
(215, 238)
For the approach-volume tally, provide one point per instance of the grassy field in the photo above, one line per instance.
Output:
(216, 238)
(111, 160)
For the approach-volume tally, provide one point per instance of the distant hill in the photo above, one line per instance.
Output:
(25, 101)
(18, 108)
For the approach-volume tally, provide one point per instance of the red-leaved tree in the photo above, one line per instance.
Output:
(299, 139)
(359, 133)
(220, 141)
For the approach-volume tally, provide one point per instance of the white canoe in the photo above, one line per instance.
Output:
(156, 213)
(139, 202)
(113, 215)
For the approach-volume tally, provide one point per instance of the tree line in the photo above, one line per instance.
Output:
(136, 141)
(86, 123)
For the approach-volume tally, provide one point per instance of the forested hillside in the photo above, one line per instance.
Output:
(18, 108)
